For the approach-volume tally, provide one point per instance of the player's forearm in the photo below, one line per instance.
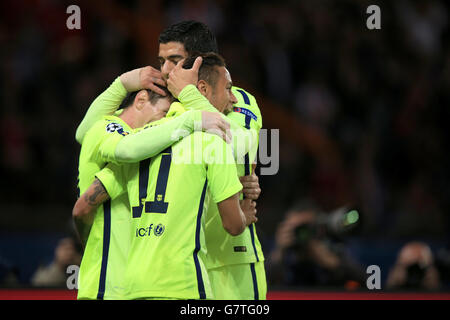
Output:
(83, 217)
(151, 141)
(82, 230)
(105, 103)
(84, 210)
(131, 80)
(233, 218)
(237, 226)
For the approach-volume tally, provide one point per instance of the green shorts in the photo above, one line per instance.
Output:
(239, 282)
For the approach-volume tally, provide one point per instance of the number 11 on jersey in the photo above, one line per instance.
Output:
(158, 205)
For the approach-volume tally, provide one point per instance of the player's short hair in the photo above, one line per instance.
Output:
(208, 71)
(152, 96)
(194, 35)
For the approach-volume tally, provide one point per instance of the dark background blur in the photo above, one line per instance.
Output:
(362, 113)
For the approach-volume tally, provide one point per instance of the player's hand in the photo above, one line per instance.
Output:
(250, 185)
(149, 78)
(248, 206)
(180, 77)
(143, 78)
(213, 122)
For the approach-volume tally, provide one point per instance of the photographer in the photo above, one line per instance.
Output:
(308, 253)
(414, 269)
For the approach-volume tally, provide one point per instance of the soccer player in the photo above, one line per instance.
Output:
(176, 42)
(111, 139)
(235, 264)
(169, 195)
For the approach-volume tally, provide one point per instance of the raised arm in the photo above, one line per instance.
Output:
(182, 84)
(109, 101)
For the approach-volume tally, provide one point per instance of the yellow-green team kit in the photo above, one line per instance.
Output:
(239, 259)
(111, 140)
(169, 195)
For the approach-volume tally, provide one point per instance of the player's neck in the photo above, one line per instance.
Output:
(129, 118)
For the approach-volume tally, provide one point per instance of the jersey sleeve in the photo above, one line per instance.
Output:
(221, 172)
(150, 141)
(105, 103)
(246, 111)
(112, 178)
(192, 99)
(247, 116)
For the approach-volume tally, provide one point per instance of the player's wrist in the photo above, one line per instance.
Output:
(131, 80)
(197, 120)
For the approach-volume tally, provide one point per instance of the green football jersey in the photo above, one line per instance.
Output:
(100, 276)
(224, 249)
(105, 104)
(104, 257)
(169, 195)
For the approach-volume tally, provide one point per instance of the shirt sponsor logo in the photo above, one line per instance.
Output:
(159, 230)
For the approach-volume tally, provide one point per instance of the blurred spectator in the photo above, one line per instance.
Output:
(305, 254)
(414, 269)
(67, 253)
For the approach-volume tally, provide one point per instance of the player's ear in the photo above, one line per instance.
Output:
(203, 87)
(141, 99)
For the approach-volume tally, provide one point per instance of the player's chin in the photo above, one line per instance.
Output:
(228, 110)
(161, 115)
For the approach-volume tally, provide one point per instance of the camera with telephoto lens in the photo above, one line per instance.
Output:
(415, 274)
(335, 224)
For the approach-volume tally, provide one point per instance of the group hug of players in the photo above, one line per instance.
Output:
(166, 177)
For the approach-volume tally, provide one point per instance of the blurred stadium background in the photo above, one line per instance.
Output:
(362, 116)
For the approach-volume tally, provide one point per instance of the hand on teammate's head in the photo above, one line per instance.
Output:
(180, 77)
(150, 78)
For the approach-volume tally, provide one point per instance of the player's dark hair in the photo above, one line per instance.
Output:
(194, 35)
(152, 96)
(208, 71)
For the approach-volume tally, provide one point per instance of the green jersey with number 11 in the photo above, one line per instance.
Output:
(168, 196)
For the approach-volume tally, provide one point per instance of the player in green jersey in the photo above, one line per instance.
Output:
(236, 264)
(169, 195)
(100, 271)
(201, 39)
(111, 139)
